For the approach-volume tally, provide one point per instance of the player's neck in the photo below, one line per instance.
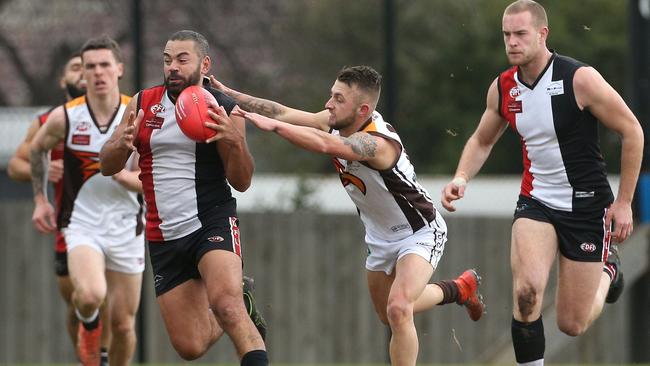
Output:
(103, 106)
(529, 72)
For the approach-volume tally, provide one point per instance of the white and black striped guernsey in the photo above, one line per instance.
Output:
(391, 203)
(184, 182)
(563, 166)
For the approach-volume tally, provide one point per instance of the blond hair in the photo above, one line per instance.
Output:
(536, 11)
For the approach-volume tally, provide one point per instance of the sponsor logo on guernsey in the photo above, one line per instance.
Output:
(579, 194)
(514, 92)
(80, 139)
(588, 247)
(154, 123)
(400, 227)
(515, 106)
(555, 88)
(82, 126)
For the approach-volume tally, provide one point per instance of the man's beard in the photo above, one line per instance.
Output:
(343, 123)
(74, 91)
(175, 89)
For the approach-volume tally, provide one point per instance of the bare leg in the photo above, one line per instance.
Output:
(72, 323)
(582, 288)
(191, 326)
(124, 295)
(222, 274)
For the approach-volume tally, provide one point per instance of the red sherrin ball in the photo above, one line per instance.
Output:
(192, 111)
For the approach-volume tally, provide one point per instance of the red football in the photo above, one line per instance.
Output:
(192, 111)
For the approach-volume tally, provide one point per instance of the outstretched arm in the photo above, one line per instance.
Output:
(595, 94)
(118, 148)
(275, 110)
(476, 150)
(379, 152)
(45, 139)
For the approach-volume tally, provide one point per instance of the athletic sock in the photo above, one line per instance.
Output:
(529, 342)
(255, 358)
(610, 270)
(103, 356)
(449, 291)
(90, 322)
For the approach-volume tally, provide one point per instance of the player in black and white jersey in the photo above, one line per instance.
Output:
(405, 234)
(566, 204)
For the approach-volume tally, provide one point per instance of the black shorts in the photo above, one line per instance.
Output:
(176, 261)
(61, 264)
(581, 235)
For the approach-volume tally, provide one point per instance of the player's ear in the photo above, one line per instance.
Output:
(120, 70)
(364, 110)
(206, 64)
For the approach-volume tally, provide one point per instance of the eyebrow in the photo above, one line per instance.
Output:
(184, 53)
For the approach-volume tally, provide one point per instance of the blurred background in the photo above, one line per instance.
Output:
(304, 243)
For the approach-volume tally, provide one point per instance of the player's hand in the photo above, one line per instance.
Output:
(619, 213)
(224, 126)
(219, 85)
(454, 190)
(128, 135)
(55, 170)
(43, 217)
(261, 122)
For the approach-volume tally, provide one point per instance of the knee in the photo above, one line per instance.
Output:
(88, 298)
(527, 301)
(571, 327)
(399, 310)
(123, 327)
(228, 311)
(188, 349)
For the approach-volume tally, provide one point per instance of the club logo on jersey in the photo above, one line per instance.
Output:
(347, 178)
(588, 247)
(88, 163)
(515, 92)
(82, 126)
(157, 108)
(80, 139)
(555, 88)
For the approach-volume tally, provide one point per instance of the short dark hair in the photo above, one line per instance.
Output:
(364, 77)
(201, 43)
(102, 43)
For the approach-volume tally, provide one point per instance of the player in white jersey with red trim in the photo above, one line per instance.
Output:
(99, 216)
(565, 204)
(192, 225)
(405, 235)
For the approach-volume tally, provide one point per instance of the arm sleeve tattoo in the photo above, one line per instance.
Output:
(362, 144)
(256, 105)
(38, 162)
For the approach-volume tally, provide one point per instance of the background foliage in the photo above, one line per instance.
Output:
(447, 53)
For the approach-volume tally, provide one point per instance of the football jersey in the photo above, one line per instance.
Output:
(563, 166)
(391, 203)
(91, 201)
(184, 182)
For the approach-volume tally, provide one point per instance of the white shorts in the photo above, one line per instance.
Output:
(428, 243)
(124, 255)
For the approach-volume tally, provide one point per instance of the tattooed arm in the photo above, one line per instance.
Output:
(45, 139)
(275, 110)
(377, 151)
